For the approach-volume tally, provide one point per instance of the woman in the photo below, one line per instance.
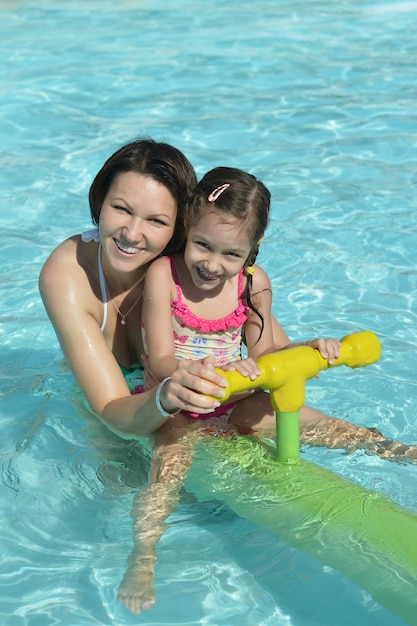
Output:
(92, 287)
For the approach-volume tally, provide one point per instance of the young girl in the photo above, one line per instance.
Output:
(210, 298)
(203, 302)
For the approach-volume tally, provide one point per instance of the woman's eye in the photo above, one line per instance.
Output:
(121, 208)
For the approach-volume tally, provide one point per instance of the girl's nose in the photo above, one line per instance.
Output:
(212, 264)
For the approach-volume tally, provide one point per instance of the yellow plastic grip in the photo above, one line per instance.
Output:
(285, 372)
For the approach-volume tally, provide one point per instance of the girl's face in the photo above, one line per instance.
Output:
(216, 249)
(137, 221)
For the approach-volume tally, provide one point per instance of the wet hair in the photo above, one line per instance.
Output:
(235, 194)
(160, 161)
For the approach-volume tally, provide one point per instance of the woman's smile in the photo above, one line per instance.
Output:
(127, 249)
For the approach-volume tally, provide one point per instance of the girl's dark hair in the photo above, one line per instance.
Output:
(246, 198)
(160, 161)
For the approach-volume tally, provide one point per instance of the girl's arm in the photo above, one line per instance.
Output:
(328, 348)
(273, 336)
(257, 343)
(158, 292)
(73, 311)
(281, 338)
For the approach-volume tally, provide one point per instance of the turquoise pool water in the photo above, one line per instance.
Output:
(318, 99)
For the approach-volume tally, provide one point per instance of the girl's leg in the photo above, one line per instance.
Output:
(170, 463)
(255, 415)
(321, 430)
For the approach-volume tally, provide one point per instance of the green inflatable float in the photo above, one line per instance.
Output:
(360, 533)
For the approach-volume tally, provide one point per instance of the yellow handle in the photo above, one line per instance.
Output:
(284, 373)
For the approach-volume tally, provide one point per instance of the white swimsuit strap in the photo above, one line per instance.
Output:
(103, 290)
(90, 235)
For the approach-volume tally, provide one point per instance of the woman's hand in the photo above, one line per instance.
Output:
(191, 385)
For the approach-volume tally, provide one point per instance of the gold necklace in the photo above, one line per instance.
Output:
(123, 316)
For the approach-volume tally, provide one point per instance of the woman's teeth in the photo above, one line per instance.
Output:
(125, 248)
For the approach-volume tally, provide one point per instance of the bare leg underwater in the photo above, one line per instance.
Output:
(172, 458)
(255, 415)
(173, 447)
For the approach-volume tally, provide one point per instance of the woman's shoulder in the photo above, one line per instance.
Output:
(71, 261)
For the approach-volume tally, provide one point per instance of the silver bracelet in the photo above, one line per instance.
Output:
(158, 400)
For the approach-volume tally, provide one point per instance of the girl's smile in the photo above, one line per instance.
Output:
(204, 276)
(216, 249)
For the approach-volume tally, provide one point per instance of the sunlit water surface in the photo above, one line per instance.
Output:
(317, 98)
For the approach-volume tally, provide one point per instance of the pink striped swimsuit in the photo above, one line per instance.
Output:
(196, 338)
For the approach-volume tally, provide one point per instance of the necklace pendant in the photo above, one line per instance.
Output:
(123, 321)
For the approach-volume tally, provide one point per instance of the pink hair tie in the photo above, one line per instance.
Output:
(218, 192)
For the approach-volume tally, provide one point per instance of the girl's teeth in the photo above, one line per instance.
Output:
(207, 276)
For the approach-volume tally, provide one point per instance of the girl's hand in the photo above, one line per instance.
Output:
(246, 367)
(191, 384)
(328, 348)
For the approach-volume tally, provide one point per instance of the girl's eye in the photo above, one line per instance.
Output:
(157, 220)
(202, 244)
(233, 254)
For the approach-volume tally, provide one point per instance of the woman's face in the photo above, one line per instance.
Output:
(137, 221)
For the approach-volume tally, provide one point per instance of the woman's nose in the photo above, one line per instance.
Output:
(134, 230)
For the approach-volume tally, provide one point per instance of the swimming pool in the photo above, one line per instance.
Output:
(317, 98)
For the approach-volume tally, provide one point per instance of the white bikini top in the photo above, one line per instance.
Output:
(92, 235)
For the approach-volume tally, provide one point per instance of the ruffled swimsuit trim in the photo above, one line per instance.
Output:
(237, 318)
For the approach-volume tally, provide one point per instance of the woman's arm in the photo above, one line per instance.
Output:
(158, 292)
(75, 313)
